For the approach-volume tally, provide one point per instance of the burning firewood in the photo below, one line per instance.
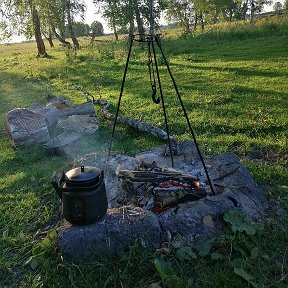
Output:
(157, 177)
(168, 188)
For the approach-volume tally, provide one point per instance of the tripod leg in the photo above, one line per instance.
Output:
(119, 100)
(163, 103)
(186, 116)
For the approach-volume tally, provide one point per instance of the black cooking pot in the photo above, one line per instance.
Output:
(83, 194)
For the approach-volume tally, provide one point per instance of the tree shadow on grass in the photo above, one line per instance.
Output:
(228, 50)
(16, 91)
(239, 71)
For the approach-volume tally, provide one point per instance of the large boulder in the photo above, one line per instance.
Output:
(119, 229)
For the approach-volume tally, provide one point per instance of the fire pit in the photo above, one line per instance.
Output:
(137, 186)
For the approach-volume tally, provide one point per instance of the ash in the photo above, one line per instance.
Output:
(177, 223)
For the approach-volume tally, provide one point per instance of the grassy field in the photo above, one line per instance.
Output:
(233, 81)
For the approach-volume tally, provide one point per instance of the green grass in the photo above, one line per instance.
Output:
(235, 91)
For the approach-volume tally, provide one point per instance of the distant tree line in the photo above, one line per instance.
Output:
(133, 15)
(81, 29)
(56, 18)
(189, 14)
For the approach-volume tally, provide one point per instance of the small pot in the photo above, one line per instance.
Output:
(83, 194)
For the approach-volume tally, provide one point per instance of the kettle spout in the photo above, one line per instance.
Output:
(57, 188)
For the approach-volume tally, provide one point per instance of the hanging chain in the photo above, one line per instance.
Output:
(152, 73)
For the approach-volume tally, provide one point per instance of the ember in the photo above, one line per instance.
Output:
(161, 188)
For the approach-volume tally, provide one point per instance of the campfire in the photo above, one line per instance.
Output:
(156, 189)
(160, 206)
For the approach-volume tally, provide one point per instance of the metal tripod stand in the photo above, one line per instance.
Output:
(154, 41)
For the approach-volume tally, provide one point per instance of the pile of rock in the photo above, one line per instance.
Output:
(57, 124)
(176, 226)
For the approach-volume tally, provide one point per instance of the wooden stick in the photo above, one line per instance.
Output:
(138, 125)
(155, 177)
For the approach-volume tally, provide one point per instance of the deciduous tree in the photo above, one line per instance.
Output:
(277, 7)
(23, 16)
(96, 29)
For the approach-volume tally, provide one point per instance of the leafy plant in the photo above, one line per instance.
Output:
(167, 274)
(242, 273)
(239, 222)
(186, 253)
(204, 246)
(42, 249)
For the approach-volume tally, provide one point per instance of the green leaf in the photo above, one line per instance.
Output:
(242, 273)
(239, 222)
(108, 281)
(241, 263)
(172, 282)
(254, 253)
(34, 263)
(216, 256)
(45, 245)
(36, 250)
(163, 268)
(204, 247)
(167, 274)
(52, 236)
(186, 253)
(265, 257)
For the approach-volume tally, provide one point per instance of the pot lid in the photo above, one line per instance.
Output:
(82, 174)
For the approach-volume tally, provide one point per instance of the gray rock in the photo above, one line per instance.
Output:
(203, 219)
(188, 154)
(188, 221)
(177, 226)
(112, 236)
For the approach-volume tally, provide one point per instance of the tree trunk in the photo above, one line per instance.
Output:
(26, 127)
(115, 32)
(230, 15)
(37, 30)
(138, 125)
(131, 16)
(139, 21)
(202, 21)
(62, 40)
(252, 11)
(244, 10)
(186, 26)
(49, 39)
(53, 116)
(92, 39)
(113, 21)
(70, 27)
(196, 21)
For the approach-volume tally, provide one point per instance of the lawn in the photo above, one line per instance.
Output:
(233, 82)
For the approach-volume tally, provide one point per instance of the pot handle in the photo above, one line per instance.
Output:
(57, 185)
(102, 176)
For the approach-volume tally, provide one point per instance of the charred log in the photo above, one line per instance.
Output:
(157, 176)
(26, 127)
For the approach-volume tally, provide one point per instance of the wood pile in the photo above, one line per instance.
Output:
(162, 188)
(37, 125)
